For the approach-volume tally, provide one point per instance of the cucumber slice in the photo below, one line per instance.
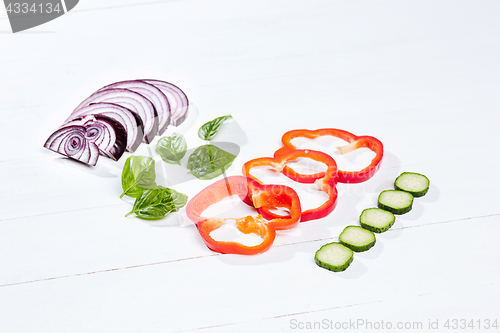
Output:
(412, 182)
(396, 202)
(357, 239)
(334, 257)
(376, 219)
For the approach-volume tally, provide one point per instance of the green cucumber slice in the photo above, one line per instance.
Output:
(357, 239)
(396, 202)
(376, 220)
(334, 257)
(412, 182)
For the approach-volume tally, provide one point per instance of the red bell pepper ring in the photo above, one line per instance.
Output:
(355, 142)
(325, 180)
(260, 195)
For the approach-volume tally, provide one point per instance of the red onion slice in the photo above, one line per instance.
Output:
(131, 100)
(70, 141)
(106, 133)
(155, 95)
(179, 103)
(129, 120)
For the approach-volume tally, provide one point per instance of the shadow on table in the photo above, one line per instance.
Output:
(372, 253)
(354, 271)
(431, 196)
(271, 256)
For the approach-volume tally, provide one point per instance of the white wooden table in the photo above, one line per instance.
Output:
(422, 76)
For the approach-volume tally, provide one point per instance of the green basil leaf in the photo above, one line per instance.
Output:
(138, 174)
(210, 129)
(172, 148)
(154, 204)
(180, 199)
(209, 161)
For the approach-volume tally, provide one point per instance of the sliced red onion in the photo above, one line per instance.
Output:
(129, 120)
(70, 141)
(131, 100)
(179, 103)
(155, 95)
(106, 133)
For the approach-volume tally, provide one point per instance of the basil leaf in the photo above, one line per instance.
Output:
(154, 204)
(179, 199)
(208, 130)
(209, 161)
(172, 148)
(138, 174)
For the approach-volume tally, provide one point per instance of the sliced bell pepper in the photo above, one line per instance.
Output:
(325, 180)
(260, 196)
(355, 142)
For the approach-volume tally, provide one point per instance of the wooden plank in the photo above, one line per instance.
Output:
(428, 312)
(75, 186)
